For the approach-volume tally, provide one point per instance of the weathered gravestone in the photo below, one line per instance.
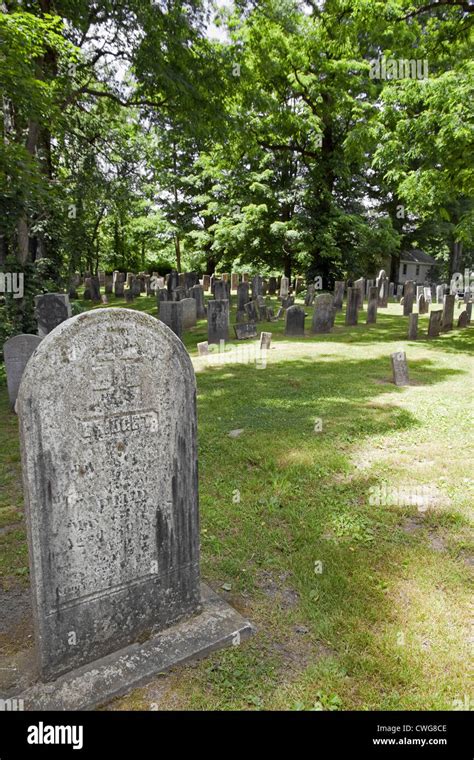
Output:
(95, 288)
(242, 299)
(217, 320)
(189, 312)
(284, 287)
(399, 368)
(251, 311)
(245, 330)
(294, 323)
(310, 295)
(171, 314)
(220, 290)
(324, 314)
(339, 286)
(408, 297)
(272, 286)
(108, 283)
(422, 305)
(119, 284)
(172, 281)
(128, 294)
(463, 319)
(161, 295)
(206, 282)
(197, 293)
(136, 286)
(352, 306)
(51, 309)
(372, 304)
(261, 309)
(179, 293)
(382, 285)
(469, 312)
(448, 312)
(107, 410)
(257, 286)
(434, 326)
(265, 340)
(440, 293)
(234, 281)
(16, 353)
(413, 327)
(360, 287)
(203, 348)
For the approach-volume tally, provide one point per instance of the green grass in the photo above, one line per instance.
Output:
(385, 624)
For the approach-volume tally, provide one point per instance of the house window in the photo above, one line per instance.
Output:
(404, 269)
(417, 272)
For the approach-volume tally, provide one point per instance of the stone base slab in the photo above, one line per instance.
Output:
(217, 626)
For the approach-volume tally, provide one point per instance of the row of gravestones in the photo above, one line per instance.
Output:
(107, 413)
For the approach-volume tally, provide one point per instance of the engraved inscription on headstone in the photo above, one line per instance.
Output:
(108, 432)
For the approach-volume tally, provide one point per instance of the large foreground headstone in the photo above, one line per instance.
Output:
(107, 410)
(17, 352)
(51, 309)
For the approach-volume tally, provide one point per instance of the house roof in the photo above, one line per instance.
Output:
(417, 257)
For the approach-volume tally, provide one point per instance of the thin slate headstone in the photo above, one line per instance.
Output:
(234, 281)
(171, 314)
(448, 312)
(272, 286)
(203, 348)
(434, 326)
(16, 353)
(399, 368)
(217, 320)
(257, 286)
(469, 312)
(242, 295)
(360, 286)
(382, 285)
(189, 312)
(119, 284)
(294, 322)
(284, 287)
(439, 293)
(324, 314)
(408, 297)
(220, 290)
(265, 340)
(422, 305)
(206, 281)
(112, 509)
(463, 319)
(352, 306)
(245, 330)
(372, 304)
(251, 311)
(51, 309)
(413, 327)
(310, 296)
(197, 293)
(339, 287)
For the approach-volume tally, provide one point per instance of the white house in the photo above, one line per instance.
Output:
(416, 266)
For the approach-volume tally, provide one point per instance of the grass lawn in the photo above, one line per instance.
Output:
(359, 603)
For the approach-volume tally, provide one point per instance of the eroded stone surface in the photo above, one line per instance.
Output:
(108, 433)
(17, 352)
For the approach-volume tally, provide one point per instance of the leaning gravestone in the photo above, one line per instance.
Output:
(372, 303)
(245, 330)
(250, 309)
(413, 327)
(217, 320)
(16, 353)
(352, 306)
(107, 410)
(51, 309)
(294, 324)
(400, 368)
(434, 326)
(324, 313)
